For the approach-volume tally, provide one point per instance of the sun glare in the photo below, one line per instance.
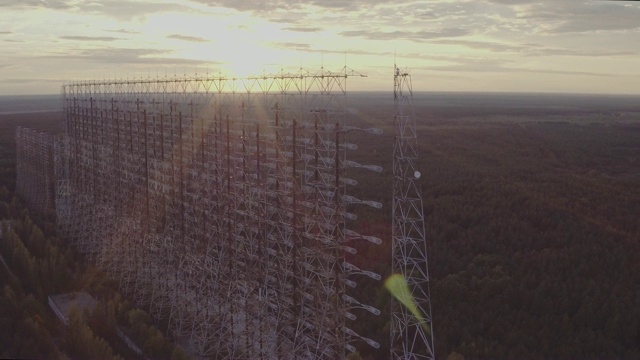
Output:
(252, 62)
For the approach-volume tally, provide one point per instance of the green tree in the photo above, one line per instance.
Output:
(80, 341)
(179, 354)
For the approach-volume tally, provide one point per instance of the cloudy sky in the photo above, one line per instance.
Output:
(578, 46)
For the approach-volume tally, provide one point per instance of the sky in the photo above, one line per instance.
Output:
(556, 46)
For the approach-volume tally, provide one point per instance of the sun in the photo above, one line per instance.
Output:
(241, 59)
(246, 60)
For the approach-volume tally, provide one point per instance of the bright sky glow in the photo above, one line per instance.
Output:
(577, 46)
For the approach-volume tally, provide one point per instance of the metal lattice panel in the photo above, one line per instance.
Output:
(35, 168)
(221, 205)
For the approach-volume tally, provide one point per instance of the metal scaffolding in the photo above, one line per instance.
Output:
(411, 335)
(220, 204)
(35, 169)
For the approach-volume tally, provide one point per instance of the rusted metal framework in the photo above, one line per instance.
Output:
(221, 205)
(35, 169)
(411, 335)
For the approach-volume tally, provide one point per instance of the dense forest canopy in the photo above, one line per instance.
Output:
(532, 224)
(37, 263)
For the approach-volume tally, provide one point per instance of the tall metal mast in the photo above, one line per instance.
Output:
(411, 336)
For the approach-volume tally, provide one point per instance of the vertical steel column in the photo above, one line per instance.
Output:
(411, 337)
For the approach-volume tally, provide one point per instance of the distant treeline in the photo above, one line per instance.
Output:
(533, 237)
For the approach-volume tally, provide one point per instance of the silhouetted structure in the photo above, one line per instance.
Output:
(221, 205)
(35, 180)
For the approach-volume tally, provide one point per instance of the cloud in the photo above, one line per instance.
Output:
(504, 69)
(271, 6)
(127, 10)
(303, 29)
(253, 6)
(307, 48)
(533, 49)
(483, 45)
(290, 45)
(120, 9)
(188, 38)
(580, 52)
(125, 56)
(285, 20)
(304, 15)
(471, 64)
(5, 32)
(89, 38)
(124, 31)
(561, 72)
(559, 17)
(407, 35)
(509, 2)
(352, 4)
(484, 65)
(51, 4)
(31, 81)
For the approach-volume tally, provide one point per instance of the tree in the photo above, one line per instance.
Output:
(179, 354)
(80, 341)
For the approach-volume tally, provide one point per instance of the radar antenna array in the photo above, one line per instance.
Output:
(220, 204)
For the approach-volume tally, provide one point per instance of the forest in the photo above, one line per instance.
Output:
(532, 224)
(35, 263)
(532, 228)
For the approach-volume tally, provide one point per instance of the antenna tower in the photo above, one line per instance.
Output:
(411, 337)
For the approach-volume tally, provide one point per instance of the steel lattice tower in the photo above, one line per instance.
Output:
(220, 204)
(411, 337)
